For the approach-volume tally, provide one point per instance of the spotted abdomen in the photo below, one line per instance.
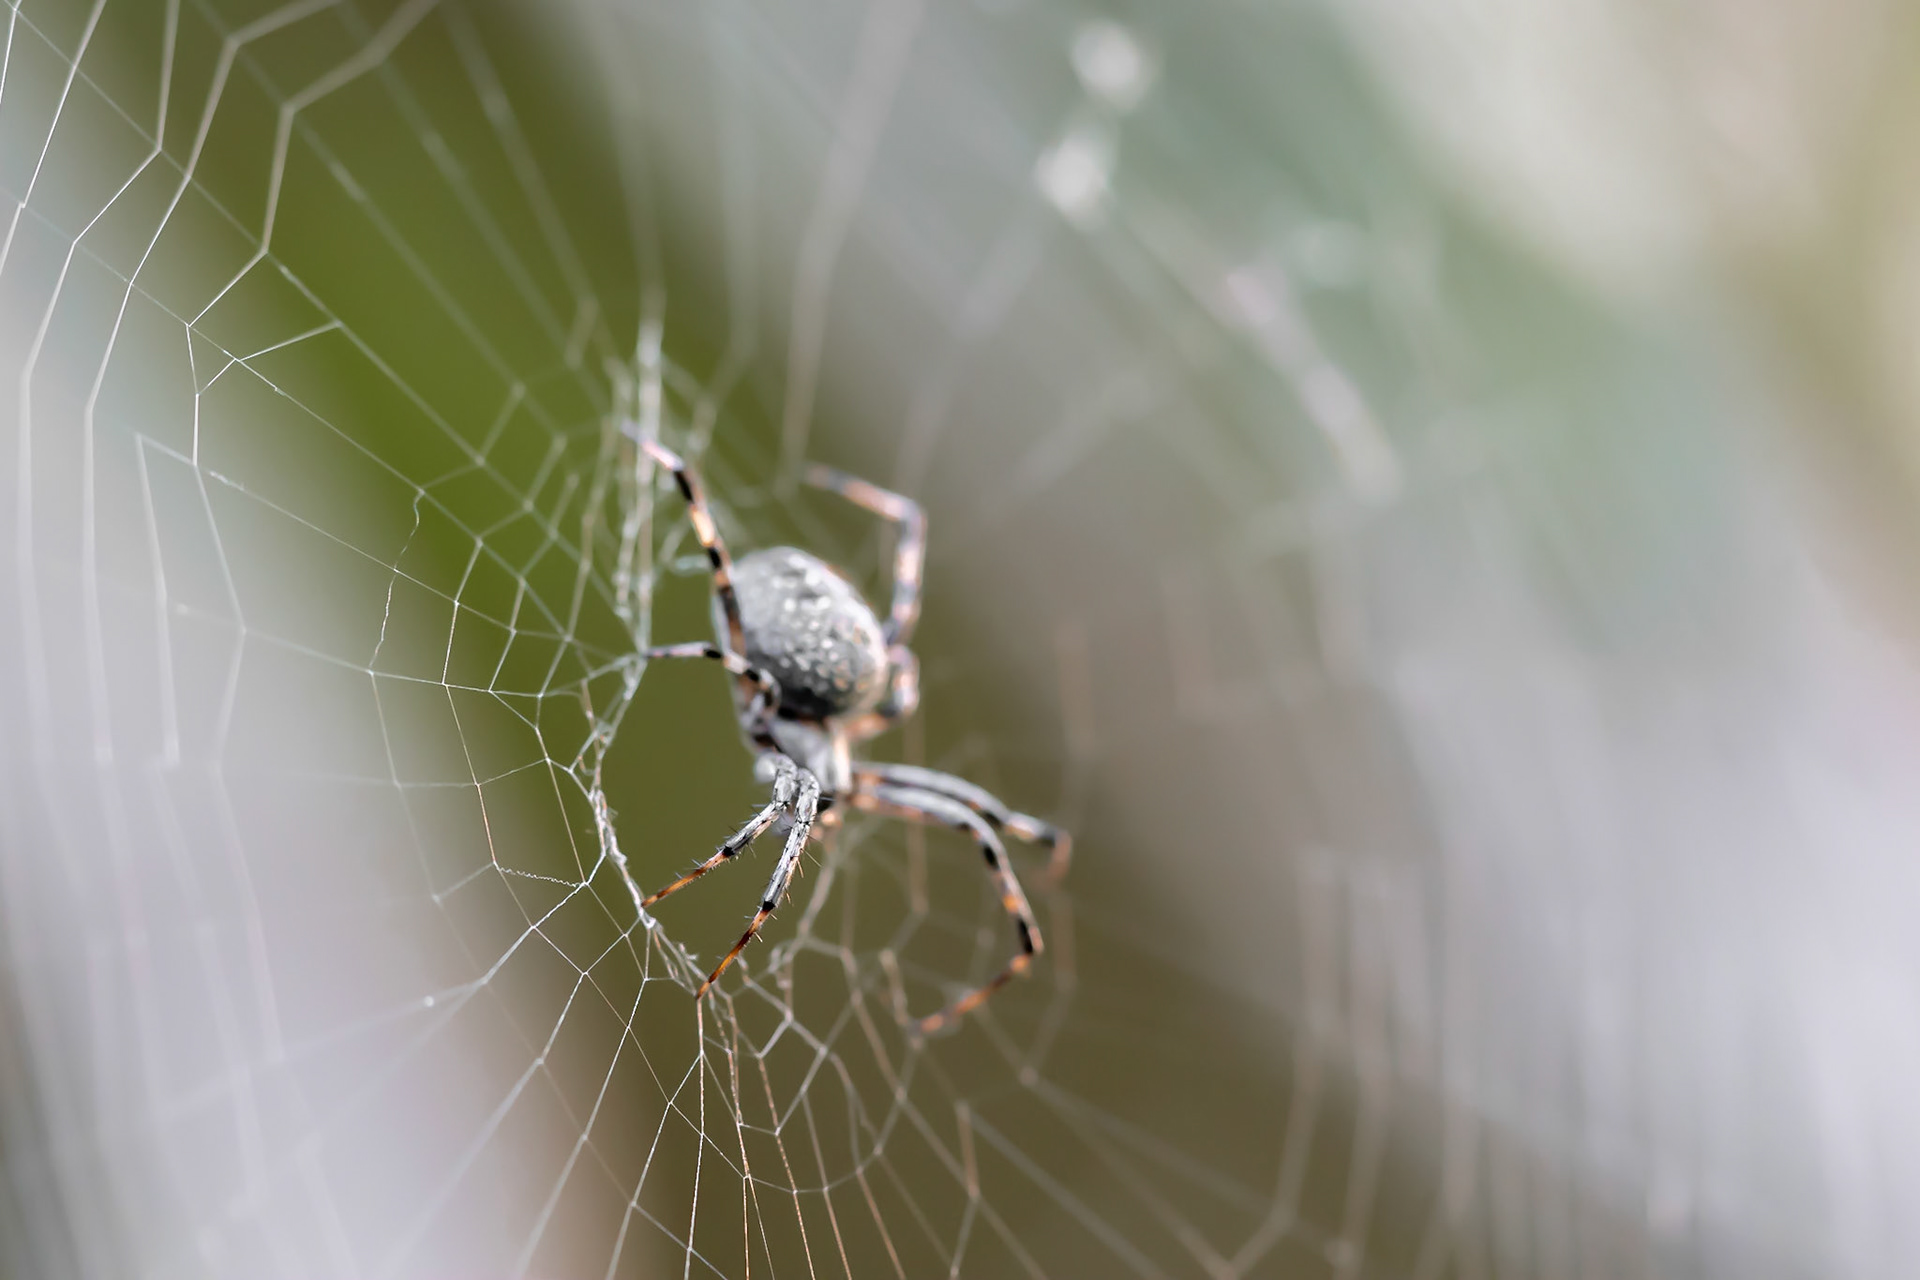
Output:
(813, 631)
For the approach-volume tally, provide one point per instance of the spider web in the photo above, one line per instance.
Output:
(335, 779)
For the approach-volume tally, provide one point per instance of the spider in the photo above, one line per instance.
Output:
(816, 674)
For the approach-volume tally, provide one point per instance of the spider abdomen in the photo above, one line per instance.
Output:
(812, 631)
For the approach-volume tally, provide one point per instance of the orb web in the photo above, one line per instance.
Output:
(334, 780)
(323, 462)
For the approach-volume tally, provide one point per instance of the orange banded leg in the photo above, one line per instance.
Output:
(700, 515)
(766, 690)
(909, 547)
(786, 788)
(1056, 840)
(913, 805)
(806, 804)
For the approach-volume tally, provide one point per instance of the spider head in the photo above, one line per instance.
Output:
(810, 627)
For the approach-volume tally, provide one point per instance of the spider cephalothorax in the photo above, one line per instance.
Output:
(816, 673)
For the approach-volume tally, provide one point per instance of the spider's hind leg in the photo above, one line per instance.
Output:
(700, 515)
(910, 542)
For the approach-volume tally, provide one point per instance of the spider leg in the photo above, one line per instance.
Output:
(902, 698)
(910, 541)
(912, 805)
(700, 515)
(1056, 840)
(786, 789)
(805, 805)
(766, 690)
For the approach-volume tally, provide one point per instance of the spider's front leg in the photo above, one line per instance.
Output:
(786, 777)
(786, 781)
(806, 804)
